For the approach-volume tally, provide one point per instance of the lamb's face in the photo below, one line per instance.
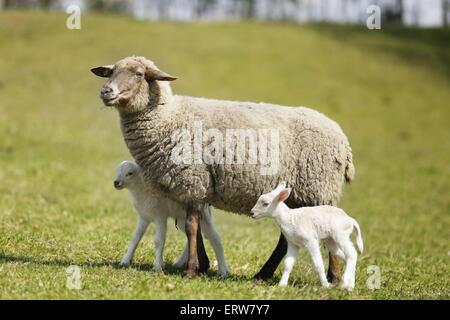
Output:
(264, 206)
(129, 82)
(127, 174)
(268, 202)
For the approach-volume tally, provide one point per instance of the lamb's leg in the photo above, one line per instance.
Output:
(289, 262)
(182, 260)
(213, 236)
(141, 227)
(348, 279)
(272, 263)
(160, 239)
(313, 247)
(192, 228)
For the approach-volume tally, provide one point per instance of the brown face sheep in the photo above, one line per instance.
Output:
(305, 148)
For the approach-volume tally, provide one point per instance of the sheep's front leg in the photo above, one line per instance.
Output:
(160, 239)
(141, 227)
(192, 227)
(289, 262)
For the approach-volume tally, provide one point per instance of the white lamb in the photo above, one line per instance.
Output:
(158, 209)
(306, 227)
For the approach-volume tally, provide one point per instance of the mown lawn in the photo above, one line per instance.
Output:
(389, 90)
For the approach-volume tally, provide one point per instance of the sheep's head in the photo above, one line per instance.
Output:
(268, 202)
(132, 83)
(127, 174)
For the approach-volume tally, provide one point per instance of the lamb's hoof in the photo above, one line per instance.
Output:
(347, 287)
(223, 273)
(190, 273)
(157, 268)
(326, 285)
(124, 264)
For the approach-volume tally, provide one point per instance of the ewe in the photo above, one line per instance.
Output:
(312, 153)
(150, 208)
(306, 227)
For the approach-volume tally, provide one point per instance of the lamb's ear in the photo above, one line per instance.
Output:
(281, 184)
(103, 71)
(154, 74)
(284, 194)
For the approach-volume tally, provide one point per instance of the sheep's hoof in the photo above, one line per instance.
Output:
(190, 273)
(203, 269)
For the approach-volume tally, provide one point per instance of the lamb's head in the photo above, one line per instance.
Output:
(133, 83)
(268, 202)
(127, 175)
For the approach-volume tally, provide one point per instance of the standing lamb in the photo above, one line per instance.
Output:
(306, 227)
(312, 153)
(155, 208)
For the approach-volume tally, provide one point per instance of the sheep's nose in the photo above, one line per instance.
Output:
(106, 90)
(117, 184)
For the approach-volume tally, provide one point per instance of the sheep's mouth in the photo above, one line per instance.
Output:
(110, 101)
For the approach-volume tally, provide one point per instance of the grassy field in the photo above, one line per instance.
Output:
(389, 90)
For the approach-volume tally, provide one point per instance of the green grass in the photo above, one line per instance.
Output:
(389, 90)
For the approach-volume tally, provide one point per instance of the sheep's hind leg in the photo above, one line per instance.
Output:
(272, 263)
(192, 228)
(203, 260)
(333, 269)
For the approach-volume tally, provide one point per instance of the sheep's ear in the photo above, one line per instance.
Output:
(103, 71)
(284, 194)
(153, 74)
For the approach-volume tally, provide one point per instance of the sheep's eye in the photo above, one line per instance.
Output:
(139, 74)
(265, 204)
(129, 174)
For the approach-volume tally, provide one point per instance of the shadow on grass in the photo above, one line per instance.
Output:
(428, 47)
(169, 268)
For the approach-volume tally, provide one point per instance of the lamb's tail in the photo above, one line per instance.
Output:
(359, 240)
(349, 167)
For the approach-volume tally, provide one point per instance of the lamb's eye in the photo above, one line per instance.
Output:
(129, 174)
(265, 204)
(139, 74)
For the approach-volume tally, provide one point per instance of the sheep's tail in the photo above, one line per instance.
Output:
(359, 240)
(349, 167)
